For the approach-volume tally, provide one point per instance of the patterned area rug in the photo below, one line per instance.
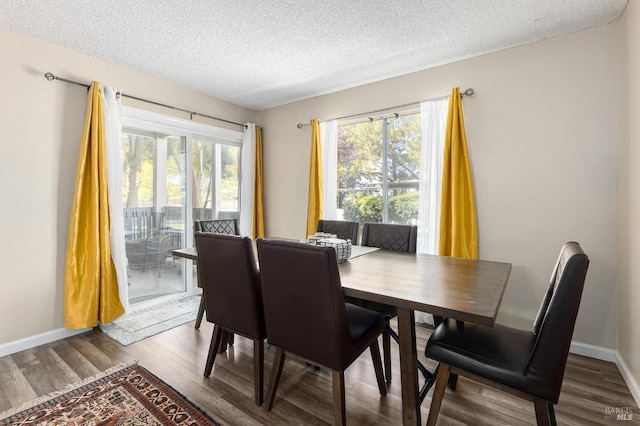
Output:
(128, 396)
(139, 323)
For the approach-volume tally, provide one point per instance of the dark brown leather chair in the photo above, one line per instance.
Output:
(216, 226)
(306, 315)
(392, 237)
(231, 285)
(527, 363)
(343, 229)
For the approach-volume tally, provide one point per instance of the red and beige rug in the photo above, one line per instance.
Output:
(129, 396)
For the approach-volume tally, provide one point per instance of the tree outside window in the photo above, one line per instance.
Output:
(378, 170)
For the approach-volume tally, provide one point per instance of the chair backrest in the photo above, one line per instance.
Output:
(169, 240)
(388, 236)
(229, 276)
(555, 322)
(303, 301)
(218, 226)
(139, 222)
(343, 229)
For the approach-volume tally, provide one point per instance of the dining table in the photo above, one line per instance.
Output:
(448, 287)
(466, 290)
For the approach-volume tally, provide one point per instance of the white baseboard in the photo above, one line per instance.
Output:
(631, 381)
(609, 355)
(61, 333)
(37, 340)
(592, 351)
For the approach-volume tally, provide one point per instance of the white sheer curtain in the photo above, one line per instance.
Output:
(248, 177)
(433, 114)
(113, 128)
(329, 138)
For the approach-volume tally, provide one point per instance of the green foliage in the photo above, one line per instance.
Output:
(203, 163)
(403, 208)
(350, 210)
(366, 208)
(359, 154)
(138, 154)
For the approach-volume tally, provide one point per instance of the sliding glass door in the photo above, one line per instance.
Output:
(174, 172)
(216, 180)
(154, 202)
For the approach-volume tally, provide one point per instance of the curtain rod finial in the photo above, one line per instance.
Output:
(468, 92)
(49, 76)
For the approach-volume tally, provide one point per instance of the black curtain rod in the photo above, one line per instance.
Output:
(467, 92)
(49, 76)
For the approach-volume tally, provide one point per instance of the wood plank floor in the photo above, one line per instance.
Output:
(304, 396)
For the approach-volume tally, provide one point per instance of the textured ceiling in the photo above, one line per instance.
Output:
(265, 53)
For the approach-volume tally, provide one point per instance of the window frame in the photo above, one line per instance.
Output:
(385, 149)
(160, 123)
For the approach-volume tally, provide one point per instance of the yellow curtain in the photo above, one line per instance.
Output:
(458, 222)
(258, 208)
(90, 283)
(314, 207)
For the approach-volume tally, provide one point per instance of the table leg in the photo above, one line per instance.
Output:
(408, 367)
(225, 342)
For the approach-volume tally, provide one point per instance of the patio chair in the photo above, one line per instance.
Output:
(159, 245)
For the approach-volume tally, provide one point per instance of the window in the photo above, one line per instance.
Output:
(216, 180)
(379, 170)
(174, 172)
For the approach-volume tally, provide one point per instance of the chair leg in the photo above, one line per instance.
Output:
(386, 353)
(339, 406)
(161, 260)
(453, 381)
(437, 320)
(258, 369)
(200, 312)
(543, 414)
(276, 371)
(377, 366)
(438, 393)
(230, 339)
(216, 340)
(552, 414)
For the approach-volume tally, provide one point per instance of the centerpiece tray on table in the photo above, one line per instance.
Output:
(342, 247)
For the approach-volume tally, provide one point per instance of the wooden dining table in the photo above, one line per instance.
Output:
(449, 287)
(462, 289)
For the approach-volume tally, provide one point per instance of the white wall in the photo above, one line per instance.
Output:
(543, 134)
(40, 129)
(629, 193)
